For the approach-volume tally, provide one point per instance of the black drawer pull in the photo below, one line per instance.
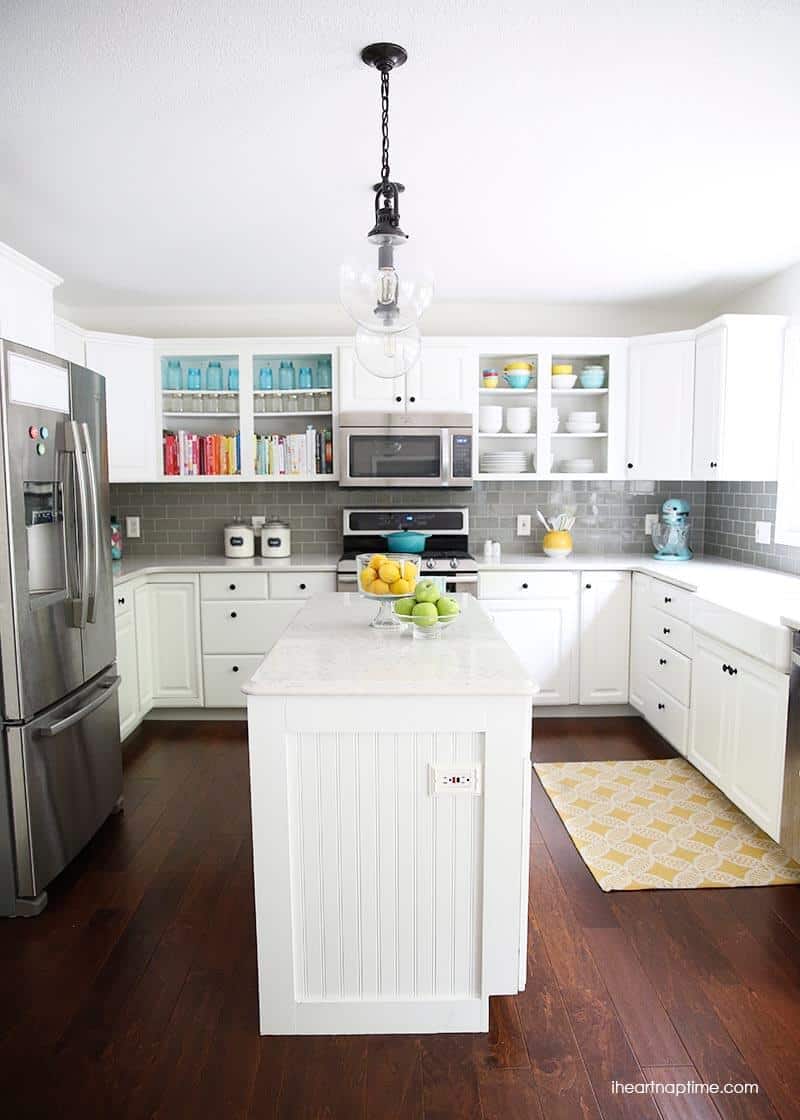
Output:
(302, 587)
(661, 707)
(726, 668)
(231, 586)
(398, 399)
(524, 587)
(121, 601)
(667, 630)
(667, 599)
(235, 668)
(233, 614)
(630, 466)
(662, 660)
(588, 587)
(412, 399)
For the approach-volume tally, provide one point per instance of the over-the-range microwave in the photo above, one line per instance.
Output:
(406, 449)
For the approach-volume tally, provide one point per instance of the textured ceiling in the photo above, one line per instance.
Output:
(206, 152)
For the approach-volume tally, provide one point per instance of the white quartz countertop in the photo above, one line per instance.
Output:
(330, 649)
(130, 568)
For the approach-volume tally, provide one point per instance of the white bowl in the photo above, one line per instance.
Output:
(490, 419)
(582, 429)
(577, 417)
(518, 420)
(564, 380)
(578, 466)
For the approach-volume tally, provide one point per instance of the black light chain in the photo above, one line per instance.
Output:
(385, 127)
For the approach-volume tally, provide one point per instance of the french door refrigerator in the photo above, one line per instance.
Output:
(62, 763)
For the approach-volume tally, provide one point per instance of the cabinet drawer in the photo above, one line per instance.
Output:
(123, 600)
(670, 669)
(223, 677)
(673, 601)
(671, 631)
(233, 585)
(244, 627)
(521, 584)
(299, 584)
(668, 716)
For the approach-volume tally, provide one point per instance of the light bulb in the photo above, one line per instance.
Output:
(388, 354)
(387, 286)
(384, 297)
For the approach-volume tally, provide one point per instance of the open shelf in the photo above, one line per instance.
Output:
(579, 435)
(579, 392)
(290, 415)
(507, 435)
(202, 415)
(509, 392)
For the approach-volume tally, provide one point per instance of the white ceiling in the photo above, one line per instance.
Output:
(192, 151)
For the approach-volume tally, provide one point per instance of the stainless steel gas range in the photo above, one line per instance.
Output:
(446, 555)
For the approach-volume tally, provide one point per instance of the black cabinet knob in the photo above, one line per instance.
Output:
(302, 587)
(235, 668)
(121, 601)
(588, 587)
(398, 399)
(667, 630)
(524, 587)
(662, 660)
(233, 614)
(726, 668)
(231, 586)
(412, 399)
(713, 463)
(667, 599)
(630, 466)
(661, 707)
(734, 672)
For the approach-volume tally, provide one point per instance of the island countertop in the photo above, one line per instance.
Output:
(330, 649)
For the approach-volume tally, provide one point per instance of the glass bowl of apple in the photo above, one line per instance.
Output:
(387, 578)
(427, 612)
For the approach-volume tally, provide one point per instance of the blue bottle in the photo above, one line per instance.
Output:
(265, 378)
(324, 377)
(304, 379)
(286, 375)
(233, 379)
(172, 375)
(214, 376)
(193, 379)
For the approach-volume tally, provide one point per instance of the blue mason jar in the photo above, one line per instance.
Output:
(233, 379)
(304, 379)
(214, 377)
(286, 378)
(265, 378)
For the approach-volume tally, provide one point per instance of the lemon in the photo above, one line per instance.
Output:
(368, 575)
(389, 572)
(378, 587)
(409, 570)
(377, 560)
(400, 587)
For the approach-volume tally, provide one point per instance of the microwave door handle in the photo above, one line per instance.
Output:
(94, 500)
(80, 606)
(109, 687)
(446, 476)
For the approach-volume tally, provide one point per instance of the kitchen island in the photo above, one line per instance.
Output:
(390, 789)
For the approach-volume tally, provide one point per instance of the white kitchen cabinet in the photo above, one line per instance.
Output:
(660, 399)
(175, 642)
(737, 734)
(543, 632)
(144, 640)
(737, 392)
(605, 637)
(134, 442)
(640, 631)
(127, 667)
(26, 300)
(69, 341)
(442, 381)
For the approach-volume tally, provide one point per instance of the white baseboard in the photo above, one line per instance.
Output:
(198, 714)
(583, 711)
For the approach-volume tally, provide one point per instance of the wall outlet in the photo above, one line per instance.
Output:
(523, 524)
(133, 528)
(763, 532)
(650, 522)
(456, 781)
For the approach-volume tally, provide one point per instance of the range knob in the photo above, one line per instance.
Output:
(429, 563)
(453, 562)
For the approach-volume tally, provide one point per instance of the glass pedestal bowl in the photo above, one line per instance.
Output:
(404, 566)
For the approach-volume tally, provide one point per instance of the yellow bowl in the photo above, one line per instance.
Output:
(562, 367)
(519, 367)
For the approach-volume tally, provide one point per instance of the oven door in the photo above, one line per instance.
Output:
(396, 457)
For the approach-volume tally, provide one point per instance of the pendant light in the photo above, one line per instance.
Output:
(385, 301)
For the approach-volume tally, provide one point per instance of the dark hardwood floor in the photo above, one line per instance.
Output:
(134, 994)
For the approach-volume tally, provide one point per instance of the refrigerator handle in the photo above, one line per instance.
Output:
(91, 598)
(80, 606)
(109, 687)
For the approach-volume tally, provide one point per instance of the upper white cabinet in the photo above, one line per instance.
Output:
(441, 381)
(605, 637)
(738, 369)
(129, 369)
(26, 300)
(69, 342)
(737, 732)
(660, 396)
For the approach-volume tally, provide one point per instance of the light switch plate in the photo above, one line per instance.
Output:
(763, 532)
(523, 524)
(133, 527)
(650, 521)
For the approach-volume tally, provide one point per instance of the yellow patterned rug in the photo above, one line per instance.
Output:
(644, 825)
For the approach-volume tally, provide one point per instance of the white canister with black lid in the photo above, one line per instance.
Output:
(240, 542)
(276, 540)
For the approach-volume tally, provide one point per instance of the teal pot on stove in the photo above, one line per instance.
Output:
(408, 540)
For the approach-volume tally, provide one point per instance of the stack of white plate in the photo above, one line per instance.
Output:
(578, 466)
(582, 423)
(504, 462)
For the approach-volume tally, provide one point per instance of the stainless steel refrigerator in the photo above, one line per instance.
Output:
(62, 765)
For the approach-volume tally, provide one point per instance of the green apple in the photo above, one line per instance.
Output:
(425, 614)
(427, 591)
(447, 607)
(404, 606)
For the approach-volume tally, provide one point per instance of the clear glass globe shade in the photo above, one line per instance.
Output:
(388, 354)
(384, 299)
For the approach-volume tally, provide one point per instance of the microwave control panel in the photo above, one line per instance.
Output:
(462, 456)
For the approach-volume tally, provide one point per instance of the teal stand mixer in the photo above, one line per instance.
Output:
(671, 532)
